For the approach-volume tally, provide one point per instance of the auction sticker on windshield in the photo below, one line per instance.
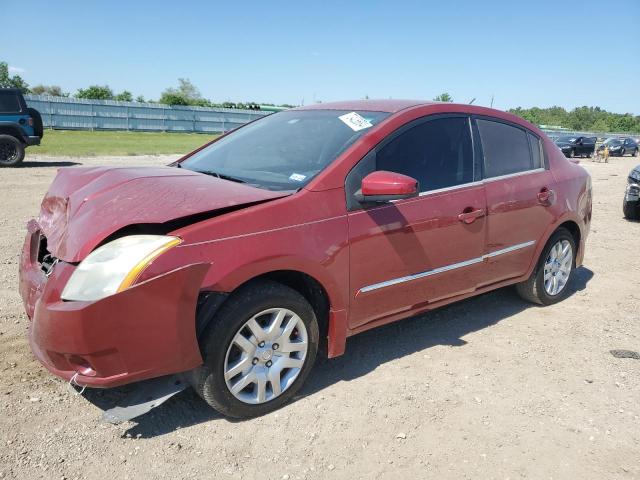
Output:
(355, 121)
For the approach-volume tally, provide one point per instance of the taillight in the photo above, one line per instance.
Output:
(30, 121)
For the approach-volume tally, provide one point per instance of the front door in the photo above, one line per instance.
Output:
(519, 190)
(408, 253)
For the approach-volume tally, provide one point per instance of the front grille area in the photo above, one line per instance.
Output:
(46, 261)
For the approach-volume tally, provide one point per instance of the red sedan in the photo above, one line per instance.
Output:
(243, 260)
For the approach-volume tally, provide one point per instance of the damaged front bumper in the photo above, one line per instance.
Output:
(146, 331)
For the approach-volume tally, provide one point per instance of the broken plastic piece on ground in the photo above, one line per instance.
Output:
(146, 396)
(625, 354)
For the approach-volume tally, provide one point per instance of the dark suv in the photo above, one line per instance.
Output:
(20, 127)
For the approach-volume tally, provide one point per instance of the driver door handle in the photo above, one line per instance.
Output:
(469, 215)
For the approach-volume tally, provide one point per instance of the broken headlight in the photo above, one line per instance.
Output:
(115, 266)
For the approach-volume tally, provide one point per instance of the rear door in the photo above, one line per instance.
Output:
(519, 189)
(405, 254)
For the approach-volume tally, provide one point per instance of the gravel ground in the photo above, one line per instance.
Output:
(490, 387)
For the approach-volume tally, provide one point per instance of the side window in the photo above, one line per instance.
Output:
(505, 148)
(438, 153)
(536, 151)
(9, 103)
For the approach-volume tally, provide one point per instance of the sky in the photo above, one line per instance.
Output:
(520, 53)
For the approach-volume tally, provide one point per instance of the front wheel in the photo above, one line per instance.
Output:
(547, 284)
(257, 351)
(11, 151)
(631, 210)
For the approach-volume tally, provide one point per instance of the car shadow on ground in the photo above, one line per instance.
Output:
(365, 352)
(52, 164)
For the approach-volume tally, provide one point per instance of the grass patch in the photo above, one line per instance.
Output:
(73, 143)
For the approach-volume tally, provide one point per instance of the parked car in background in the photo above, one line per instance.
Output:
(20, 127)
(576, 146)
(631, 203)
(237, 264)
(618, 147)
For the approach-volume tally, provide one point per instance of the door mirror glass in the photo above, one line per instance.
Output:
(383, 186)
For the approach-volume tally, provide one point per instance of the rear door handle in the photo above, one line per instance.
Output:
(469, 215)
(546, 197)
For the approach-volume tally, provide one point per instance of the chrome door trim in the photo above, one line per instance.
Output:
(446, 268)
(509, 249)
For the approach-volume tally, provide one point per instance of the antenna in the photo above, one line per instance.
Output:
(491, 100)
(472, 100)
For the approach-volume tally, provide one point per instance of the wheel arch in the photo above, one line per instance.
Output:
(303, 283)
(574, 229)
(573, 226)
(12, 129)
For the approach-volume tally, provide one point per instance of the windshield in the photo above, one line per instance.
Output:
(612, 141)
(566, 139)
(285, 150)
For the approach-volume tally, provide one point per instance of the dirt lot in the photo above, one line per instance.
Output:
(488, 388)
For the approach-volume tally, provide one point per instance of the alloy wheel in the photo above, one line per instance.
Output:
(8, 152)
(266, 356)
(557, 267)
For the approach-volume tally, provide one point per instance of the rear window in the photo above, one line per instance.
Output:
(505, 148)
(536, 151)
(9, 103)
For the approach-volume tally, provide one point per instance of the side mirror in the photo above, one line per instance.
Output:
(383, 186)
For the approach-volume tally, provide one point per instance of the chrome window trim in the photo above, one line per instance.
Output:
(475, 184)
(448, 189)
(517, 174)
(446, 268)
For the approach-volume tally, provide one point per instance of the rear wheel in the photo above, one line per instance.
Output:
(11, 151)
(258, 350)
(547, 284)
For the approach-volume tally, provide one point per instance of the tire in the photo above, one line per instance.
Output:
(260, 301)
(590, 154)
(631, 210)
(533, 289)
(11, 151)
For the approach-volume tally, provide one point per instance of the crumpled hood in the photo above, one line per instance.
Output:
(84, 205)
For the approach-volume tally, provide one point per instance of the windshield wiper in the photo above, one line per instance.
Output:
(221, 176)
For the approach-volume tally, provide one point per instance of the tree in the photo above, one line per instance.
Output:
(96, 92)
(53, 90)
(140, 99)
(11, 81)
(124, 96)
(186, 94)
(443, 97)
(588, 119)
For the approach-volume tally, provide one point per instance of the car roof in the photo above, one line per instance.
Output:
(384, 105)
